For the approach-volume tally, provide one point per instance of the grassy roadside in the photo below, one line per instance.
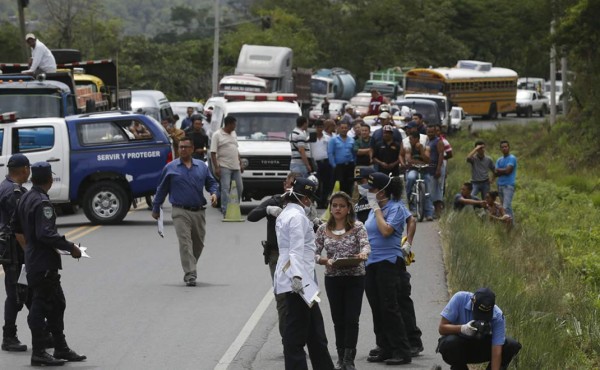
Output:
(546, 271)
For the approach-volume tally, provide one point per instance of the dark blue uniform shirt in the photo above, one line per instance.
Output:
(10, 192)
(184, 185)
(36, 219)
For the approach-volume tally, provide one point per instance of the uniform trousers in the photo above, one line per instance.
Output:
(458, 351)
(325, 176)
(385, 287)
(280, 299)
(345, 301)
(13, 303)
(304, 326)
(190, 227)
(47, 306)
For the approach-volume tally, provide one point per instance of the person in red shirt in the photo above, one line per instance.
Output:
(376, 101)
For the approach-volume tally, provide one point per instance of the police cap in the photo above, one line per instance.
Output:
(41, 169)
(18, 160)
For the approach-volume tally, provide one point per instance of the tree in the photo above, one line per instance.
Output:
(10, 39)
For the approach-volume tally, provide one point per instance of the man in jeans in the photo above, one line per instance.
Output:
(226, 160)
(506, 172)
(481, 164)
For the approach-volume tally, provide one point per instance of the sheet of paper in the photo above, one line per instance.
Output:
(67, 253)
(23, 276)
(161, 225)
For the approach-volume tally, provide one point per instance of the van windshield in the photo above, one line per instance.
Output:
(429, 111)
(265, 126)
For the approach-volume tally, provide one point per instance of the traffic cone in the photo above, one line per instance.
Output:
(336, 188)
(233, 213)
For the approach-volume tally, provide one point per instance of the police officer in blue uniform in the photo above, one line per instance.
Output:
(11, 249)
(36, 219)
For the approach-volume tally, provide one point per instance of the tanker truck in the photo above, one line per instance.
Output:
(334, 83)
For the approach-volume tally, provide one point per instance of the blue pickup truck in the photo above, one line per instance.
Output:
(101, 161)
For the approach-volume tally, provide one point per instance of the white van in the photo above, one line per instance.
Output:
(264, 123)
(152, 103)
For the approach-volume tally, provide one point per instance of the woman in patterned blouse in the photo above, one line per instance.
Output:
(343, 236)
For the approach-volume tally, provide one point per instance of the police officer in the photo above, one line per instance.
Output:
(36, 219)
(11, 249)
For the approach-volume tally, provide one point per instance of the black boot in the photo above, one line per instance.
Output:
(62, 350)
(398, 359)
(340, 361)
(43, 358)
(349, 355)
(10, 342)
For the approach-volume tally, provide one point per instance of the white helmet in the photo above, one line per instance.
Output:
(314, 179)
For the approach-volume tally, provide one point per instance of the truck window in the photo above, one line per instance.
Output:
(38, 104)
(32, 139)
(138, 130)
(100, 133)
(265, 126)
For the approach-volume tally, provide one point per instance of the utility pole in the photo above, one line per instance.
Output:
(21, 5)
(552, 79)
(565, 82)
(215, 68)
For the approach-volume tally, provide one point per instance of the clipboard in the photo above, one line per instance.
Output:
(347, 262)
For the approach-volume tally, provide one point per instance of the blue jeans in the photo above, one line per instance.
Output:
(482, 187)
(299, 168)
(227, 175)
(506, 193)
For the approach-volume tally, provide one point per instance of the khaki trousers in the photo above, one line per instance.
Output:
(190, 229)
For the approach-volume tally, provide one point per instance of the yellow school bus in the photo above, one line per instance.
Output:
(478, 87)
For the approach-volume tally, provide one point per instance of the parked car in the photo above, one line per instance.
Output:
(459, 120)
(361, 102)
(336, 109)
(529, 102)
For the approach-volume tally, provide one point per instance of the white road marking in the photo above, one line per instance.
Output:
(234, 348)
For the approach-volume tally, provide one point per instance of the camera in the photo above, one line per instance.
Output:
(484, 329)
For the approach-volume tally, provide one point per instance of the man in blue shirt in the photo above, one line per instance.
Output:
(506, 172)
(474, 331)
(342, 157)
(184, 179)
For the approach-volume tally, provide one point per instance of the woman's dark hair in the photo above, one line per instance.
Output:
(394, 189)
(493, 194)
(350, 218)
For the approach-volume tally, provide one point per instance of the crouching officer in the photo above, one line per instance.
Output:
(11, 249)
(474, 331)
(36, 219)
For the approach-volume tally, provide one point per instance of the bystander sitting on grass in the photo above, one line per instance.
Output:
(464, 199)
(495, 211)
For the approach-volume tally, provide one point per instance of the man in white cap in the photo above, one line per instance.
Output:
(42, 59)
(348, 115)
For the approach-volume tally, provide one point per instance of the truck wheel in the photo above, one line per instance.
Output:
(504, 114)
(105, 203)
(493, 114)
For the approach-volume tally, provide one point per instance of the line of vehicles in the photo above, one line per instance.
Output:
(82, 121)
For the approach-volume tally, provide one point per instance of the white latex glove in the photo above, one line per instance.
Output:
(297, 285)
(372, 199)
(274, 210)
(406, 249)
(468, 329)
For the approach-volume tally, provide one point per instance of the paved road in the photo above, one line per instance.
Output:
(127, 306)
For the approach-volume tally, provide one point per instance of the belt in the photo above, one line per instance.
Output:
(191, 209)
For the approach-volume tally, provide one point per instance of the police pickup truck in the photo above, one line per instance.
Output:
(97, 160)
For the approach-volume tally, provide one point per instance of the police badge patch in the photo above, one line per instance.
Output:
(48, 212)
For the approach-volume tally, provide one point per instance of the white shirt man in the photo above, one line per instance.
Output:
(42, 59)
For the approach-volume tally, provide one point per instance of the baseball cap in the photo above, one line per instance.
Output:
(29, 36)
(411, 124)
(18, 160)
(384, 115)
(377, 180)
(41, 169)
(388, 128)
(305, 187)
(362, 173)
(349, 106)
(483, 304)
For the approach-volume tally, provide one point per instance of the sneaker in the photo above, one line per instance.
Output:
(191, 282)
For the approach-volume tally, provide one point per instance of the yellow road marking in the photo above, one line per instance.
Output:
(74, 231)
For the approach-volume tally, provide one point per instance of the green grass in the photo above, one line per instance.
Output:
(546, 271)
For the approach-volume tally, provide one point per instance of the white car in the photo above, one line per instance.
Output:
(459, 120)
(336, 109)
(361, 102)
